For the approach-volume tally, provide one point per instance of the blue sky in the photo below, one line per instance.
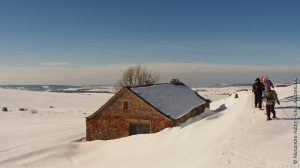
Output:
(89, 33)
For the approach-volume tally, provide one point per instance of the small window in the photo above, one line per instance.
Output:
(125, 105)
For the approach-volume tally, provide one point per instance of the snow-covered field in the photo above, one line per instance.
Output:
(234, 134)
(23, 132)
(220, 92)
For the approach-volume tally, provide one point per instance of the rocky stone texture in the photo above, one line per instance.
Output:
(111, 121)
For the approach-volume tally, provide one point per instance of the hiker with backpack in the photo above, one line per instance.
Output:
(258, 88)
(270, 97)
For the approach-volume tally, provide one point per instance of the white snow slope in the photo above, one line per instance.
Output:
(236, 135)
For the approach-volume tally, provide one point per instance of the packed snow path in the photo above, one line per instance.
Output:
(234, 135)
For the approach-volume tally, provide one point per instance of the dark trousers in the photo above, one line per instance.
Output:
(270, 109)
(258, 100)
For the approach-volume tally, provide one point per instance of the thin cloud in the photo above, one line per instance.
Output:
(194, 74)
(54, 63)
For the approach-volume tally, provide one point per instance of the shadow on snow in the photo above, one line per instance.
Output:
(289, 99)
(208, 115)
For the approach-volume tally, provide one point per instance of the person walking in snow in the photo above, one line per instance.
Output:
(270, 98)
(266, 81)
(257, 89)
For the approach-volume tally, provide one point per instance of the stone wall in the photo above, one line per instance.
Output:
(111, 121)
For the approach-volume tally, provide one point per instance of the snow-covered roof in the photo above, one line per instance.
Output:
(173, 100)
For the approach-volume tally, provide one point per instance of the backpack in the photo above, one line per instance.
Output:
(270, 97)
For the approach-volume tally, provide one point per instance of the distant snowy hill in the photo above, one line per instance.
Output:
(231, 85)
(246, 84)
(63, 88)
(36, 87)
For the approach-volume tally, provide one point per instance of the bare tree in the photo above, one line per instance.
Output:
(138, 75)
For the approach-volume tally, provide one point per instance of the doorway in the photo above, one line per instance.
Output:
(138, 129)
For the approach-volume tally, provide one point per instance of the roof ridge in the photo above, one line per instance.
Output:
(155, 84)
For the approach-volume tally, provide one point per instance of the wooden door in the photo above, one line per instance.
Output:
(138, 129)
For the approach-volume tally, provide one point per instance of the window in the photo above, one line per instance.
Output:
(125, 105)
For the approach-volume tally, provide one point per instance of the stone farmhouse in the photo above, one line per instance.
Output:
(144, 109)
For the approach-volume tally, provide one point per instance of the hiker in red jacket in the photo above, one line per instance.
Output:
(266, 81)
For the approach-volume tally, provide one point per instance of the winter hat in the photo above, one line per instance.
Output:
(257, 79)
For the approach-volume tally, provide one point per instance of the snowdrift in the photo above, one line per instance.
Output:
(233, 135)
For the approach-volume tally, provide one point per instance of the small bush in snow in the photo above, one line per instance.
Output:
(23, 109)
(236, 96)
(34, 111)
